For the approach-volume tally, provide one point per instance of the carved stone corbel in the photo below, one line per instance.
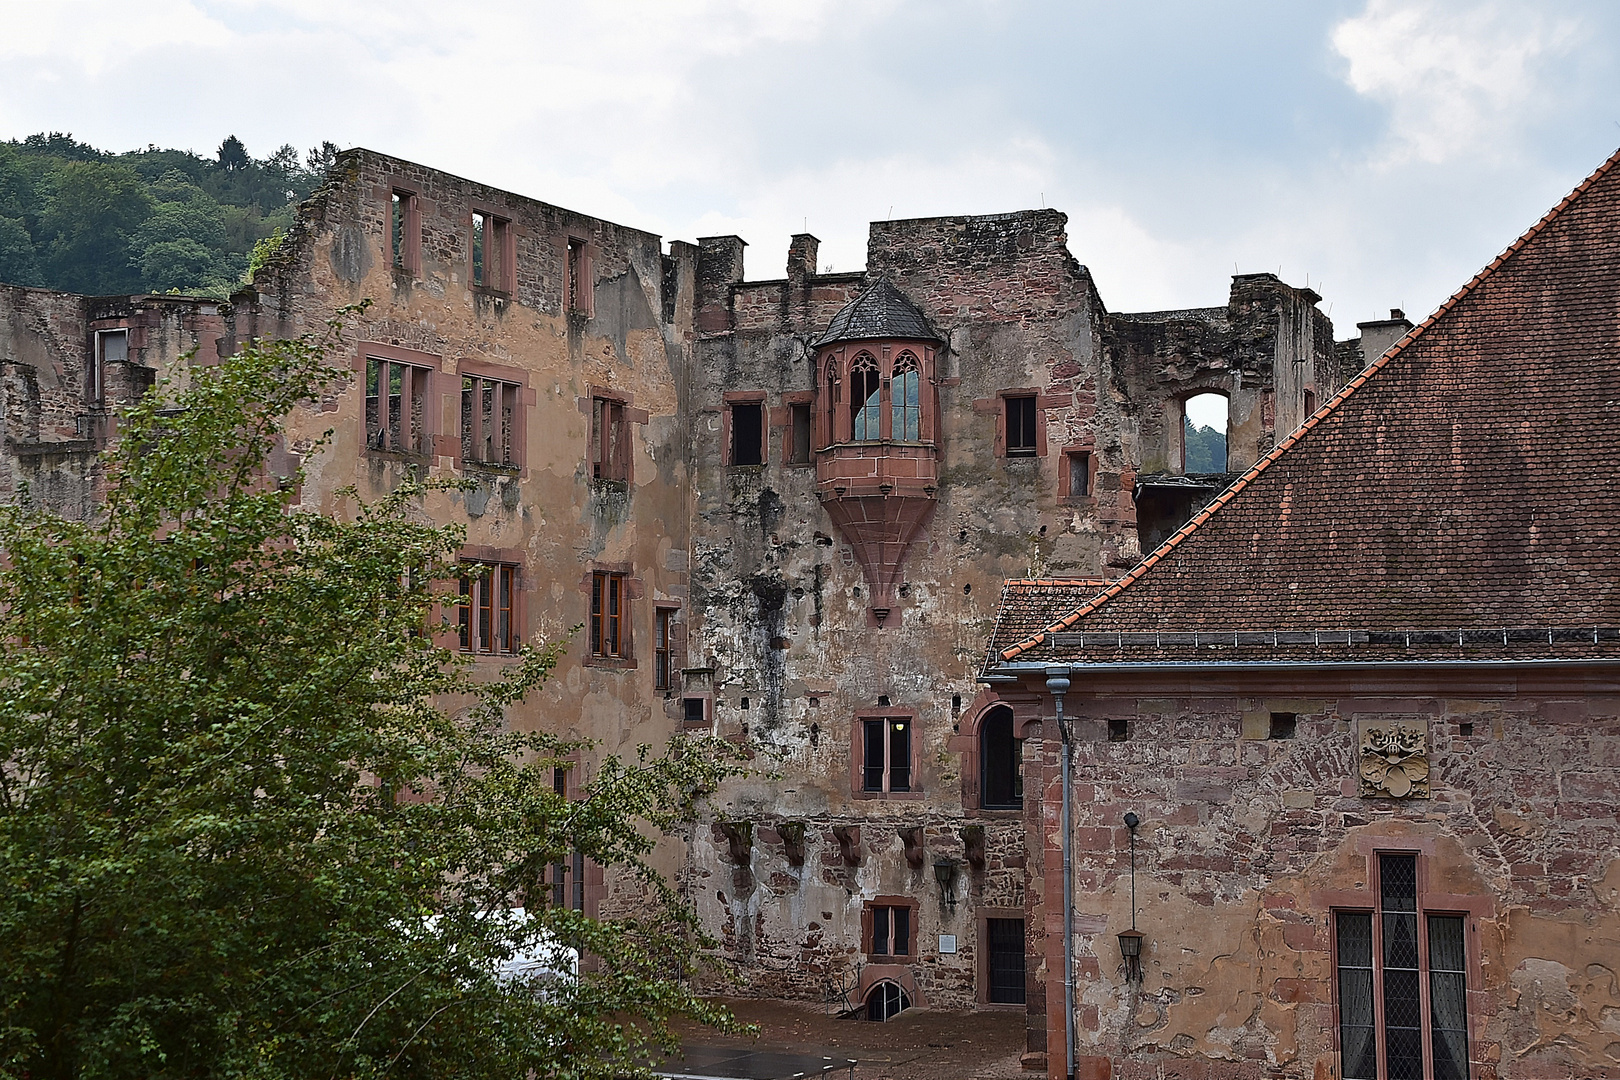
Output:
(849, 843)
(913, 839)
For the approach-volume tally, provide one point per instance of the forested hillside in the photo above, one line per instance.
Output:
(88, 221)
(1205, 448)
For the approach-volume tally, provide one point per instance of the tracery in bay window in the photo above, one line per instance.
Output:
(864, 388)
(906, 404)
(832, 402)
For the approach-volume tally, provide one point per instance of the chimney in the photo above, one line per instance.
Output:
(802, 252)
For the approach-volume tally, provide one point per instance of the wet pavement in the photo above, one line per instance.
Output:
(798, 1041)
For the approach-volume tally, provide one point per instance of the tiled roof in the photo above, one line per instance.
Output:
(1467, 479)
(1030, 604)
(879, 312)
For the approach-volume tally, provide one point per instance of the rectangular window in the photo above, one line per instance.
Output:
(1384, 958)
(886, 755)
(1079, 475)
(488, 414)
(610, 440)
(799, 437)
(396, 407)
(747, 433)
(693, 713)
(488, 615)
(1021, 426)
(112, 347)
(1283, 725)
(491, 236)
(579, 285)
(891, 930)
(405, 231)
(608, 610)
(663, 669)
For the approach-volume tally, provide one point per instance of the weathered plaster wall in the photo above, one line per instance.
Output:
(1248, 843)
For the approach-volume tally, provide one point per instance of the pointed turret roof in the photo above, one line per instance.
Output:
(882, 311)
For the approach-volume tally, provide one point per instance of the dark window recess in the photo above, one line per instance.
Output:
(399, 204)
(799, 448)
(1006, 960)
(1283, 725)
(747, 433)
(886, 757)
(891, 931)
(608, 604)
(1021, 426)
(1000, 761)
(692, 712)
(663, 674)
(1380, 957)
(487, 617)
(1119, 730)
(886, 1000)
(1079, 475)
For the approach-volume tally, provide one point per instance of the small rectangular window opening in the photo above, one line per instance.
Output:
(663, 675)
(891, 930)
(1021, 426)
(747, 433)
(1283, 725)
(692, 712)
(489, 238)
(488, 411)
(610, 440)
(1079, 475)
(799, 448)
(1119, 730)
(578, 286)
(1465, 728)
(404, 230)
(610, 609)
(112, 347)
(886, 755)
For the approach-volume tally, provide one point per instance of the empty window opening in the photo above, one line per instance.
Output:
(405, 230)
(488, 410)
(1119, 730)
(865, 420)
(578, 287)
(1005, 960)
(886, 1000)
(747, 433)
(743, 704)
(1386, 956)
(663, 670)
(396, 407)
(489, 256)
(487, 622)
(1283, 725)
(1000, 762)
(1021, 426)
(956, 703)
(906, 402)
(886, 755)
(1465, 728)
(1203, 434)
(610, 440)
(1079, 474)
(112, 347)
(799, 439)
(609, 638)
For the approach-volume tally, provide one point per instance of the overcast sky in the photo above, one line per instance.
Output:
(1386, 149)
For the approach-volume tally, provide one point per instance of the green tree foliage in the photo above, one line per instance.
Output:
(1205, 448)
(74, 217)
(236, 777)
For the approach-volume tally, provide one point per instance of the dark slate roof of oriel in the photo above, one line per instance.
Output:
(1459, 499)
(882, 311)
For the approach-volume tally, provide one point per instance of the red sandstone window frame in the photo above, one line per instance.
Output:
(874, 913)
(609, 627)
(665, 618)
(858, 756)
(512, 384)
(981, 921)
(489, 619)
(610, 438)
(498, 244)
(405, 229)
(420, 383)
(1078, 460)
(579, 277)
(797, 405)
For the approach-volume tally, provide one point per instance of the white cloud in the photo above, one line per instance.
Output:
(1459, 79)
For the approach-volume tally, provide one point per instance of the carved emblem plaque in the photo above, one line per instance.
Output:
(1394, 761)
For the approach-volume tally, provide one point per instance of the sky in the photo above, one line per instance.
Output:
(1380, 151)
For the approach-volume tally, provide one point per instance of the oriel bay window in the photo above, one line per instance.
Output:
(1402, 983)
(880, 393)
(905, 400)
(488, 613)
(865, 414)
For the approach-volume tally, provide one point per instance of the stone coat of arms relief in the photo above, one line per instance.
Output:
(1394, 761)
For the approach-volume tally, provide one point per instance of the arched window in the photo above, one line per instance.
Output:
(1203, 434)
(864, 416)
(906, 424)
(832, 402)
(1001, 777)
(886, 999)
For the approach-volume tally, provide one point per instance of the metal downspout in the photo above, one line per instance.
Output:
(1057, 683)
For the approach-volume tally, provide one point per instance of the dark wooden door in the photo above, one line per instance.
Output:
(1006, 948)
